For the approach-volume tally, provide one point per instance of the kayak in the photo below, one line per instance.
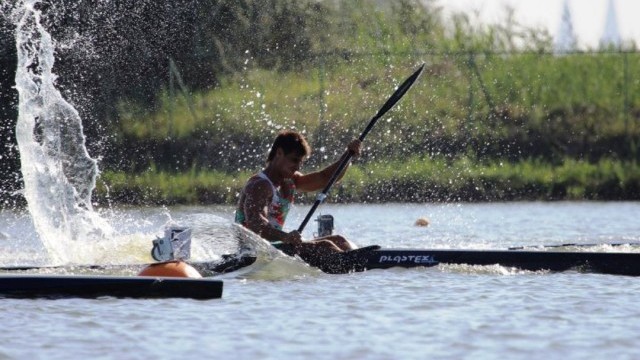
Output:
(84, 286)
(374, 257)
(615, 263)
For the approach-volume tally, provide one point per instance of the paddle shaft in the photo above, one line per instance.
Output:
(397, 95)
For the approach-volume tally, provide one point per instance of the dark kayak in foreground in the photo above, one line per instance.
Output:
(76, 286)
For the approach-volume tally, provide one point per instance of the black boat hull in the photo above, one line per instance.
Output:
(617, 263)
(73, 286)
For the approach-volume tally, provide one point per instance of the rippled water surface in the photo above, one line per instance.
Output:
(441, 312)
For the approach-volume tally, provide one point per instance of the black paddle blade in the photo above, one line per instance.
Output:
(397, 95)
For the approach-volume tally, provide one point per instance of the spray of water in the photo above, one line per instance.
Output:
(59, 175)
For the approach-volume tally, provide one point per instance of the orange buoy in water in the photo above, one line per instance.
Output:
(171, 269)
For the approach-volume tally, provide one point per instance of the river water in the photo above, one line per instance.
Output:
(288, 311)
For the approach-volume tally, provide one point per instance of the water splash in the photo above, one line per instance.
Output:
(59, 175)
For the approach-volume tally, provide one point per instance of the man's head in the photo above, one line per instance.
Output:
(290, 141)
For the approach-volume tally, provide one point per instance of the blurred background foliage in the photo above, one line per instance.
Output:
(181, 100)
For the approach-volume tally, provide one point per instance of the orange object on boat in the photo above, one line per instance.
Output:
(171, 269)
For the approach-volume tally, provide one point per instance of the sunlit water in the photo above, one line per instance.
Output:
(442, 312)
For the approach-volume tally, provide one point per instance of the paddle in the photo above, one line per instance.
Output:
(397, 95)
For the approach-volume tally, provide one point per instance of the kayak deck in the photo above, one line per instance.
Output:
(82, 286)
(373, 257)
(616, 263)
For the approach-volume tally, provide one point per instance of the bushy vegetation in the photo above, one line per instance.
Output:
(521, 141)
(495, 116)
(417, 179)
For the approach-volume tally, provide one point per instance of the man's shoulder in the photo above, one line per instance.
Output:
(257, 184)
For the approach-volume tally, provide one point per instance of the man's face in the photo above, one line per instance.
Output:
(290, 163)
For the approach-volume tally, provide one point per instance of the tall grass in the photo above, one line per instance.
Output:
(416, 179)
(485, 122)
(159, 187)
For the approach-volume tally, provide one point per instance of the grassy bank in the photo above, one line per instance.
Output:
(487, 121)
(478, 97)
(523, 139)
(414, 180)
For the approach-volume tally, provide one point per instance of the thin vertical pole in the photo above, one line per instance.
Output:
(626, 92)
(321, 121)
(172, 96)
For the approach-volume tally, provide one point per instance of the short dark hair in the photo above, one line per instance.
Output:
(290, 141)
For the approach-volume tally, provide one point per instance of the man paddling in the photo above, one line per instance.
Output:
(267, 196)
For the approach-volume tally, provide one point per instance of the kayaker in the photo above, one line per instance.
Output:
(267, 196)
